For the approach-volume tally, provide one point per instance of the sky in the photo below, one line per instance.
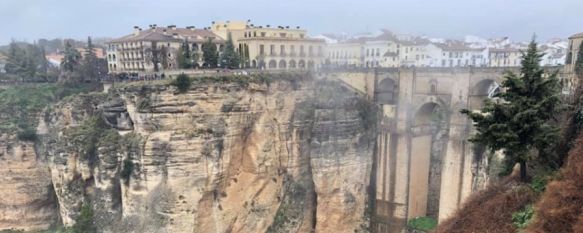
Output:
(519, 19)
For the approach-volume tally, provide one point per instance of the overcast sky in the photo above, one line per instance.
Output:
(519, 19)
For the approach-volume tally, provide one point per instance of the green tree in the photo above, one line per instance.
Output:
(579, 62)
(517, 121)
(84, 222)
(153, 54)
(71, 59)
(195, 58)
(26, 61)
(163, 54)
(210, 54)
(184, 56)
(229, 58)
(182, 83)
(90, 65)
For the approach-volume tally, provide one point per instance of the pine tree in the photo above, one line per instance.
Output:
(210, 54)
(184, 56)
(517, 120)
(71, 59)
(90, 62)
(153, 54)
(229, 58)
(163, 54)
(16, 62)
(26, 61)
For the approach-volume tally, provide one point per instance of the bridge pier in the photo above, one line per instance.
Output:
(424, 166)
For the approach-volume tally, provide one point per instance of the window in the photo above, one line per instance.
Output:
(272, 49)
(310, 50)
(282, 49)
(261, 49)
(262, 34)
(282, 35)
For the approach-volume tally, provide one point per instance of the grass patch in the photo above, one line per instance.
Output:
(522, 218)
(425, 224)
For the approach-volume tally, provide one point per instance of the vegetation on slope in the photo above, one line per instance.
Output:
(560, 208)
(550, 202)
(518, 120)
(20, 106)
(491, 210)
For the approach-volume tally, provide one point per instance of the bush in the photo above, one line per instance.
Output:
(425, 224)
(182, 83)
(522, 218)
(84, 222)
(127, 170)
(28, 134)
(539, 183)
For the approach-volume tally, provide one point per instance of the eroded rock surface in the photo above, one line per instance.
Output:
(27, 200)
(223, 157)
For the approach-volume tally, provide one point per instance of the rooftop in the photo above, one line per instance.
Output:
(171, 33)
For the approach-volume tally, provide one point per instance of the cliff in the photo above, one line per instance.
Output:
(282, 154)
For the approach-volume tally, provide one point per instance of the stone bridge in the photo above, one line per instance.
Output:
(424, 165)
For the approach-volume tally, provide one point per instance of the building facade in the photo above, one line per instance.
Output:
(504, 57)
(345, 54)
(156, 48)
(575, 43)
(279, 48)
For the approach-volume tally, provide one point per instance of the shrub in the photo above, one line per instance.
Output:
(144, 104)
(28, 134)
(522, 218)
(127, 170)
(425, 224)
(182, 83)
(84, 222)
(539, 183)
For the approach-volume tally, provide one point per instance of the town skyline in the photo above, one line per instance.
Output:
(31, 22)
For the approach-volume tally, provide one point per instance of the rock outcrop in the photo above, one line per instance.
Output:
(226, 156)
(27, 200)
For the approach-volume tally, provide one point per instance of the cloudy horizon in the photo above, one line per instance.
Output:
(518, 19)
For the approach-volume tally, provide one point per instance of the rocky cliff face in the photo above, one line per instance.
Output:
(226, 156)
(27, 200)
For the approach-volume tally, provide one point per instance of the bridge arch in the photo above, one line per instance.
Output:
(387, 92)
(430, 129)
(482, 90)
